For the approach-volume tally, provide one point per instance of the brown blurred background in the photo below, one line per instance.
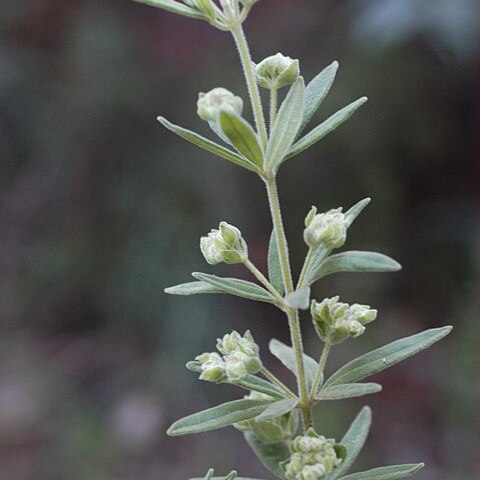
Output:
(101, 208)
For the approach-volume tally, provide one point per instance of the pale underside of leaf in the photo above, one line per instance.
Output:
(277, 409)
(299, 299)
(386, 356)
(348, 390)
(193, 288)
(392, 472)
(209, 145)
(274, 268)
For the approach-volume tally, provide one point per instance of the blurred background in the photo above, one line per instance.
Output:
(101, 209)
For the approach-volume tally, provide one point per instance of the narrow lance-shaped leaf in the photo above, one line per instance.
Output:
(234, 286)
(174, 7)
(348, 390)
(224, 478)
(392, 472)
(326, 127)
(277, 409)
(218, 417)
(242, 136)
(274, 268)
(286, 355)
(208, 145)
(386, 356)
(270, 454)
(286, 125)
(353, 441)
(193, 288)
(249, 382)
(355, 261)
(352, 213)
(317, 90)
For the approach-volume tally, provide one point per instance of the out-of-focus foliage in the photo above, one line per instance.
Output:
(98, 213)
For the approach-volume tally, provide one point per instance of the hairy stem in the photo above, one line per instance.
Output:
(273, 106)
(253, 91)
(292, 314)
(320, 369)
(263, 280)
(306, 265)
(270, 376)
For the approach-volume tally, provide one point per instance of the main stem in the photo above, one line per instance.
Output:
(253, 91)
(292, 314)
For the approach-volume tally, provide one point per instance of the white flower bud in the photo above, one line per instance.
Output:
(328, 229)
(213, 367)
(235, 367)
(362, 313)
(277, 71)
(210, 104)
(224, 245)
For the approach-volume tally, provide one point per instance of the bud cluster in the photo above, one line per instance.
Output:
(328, 229)
(271, 431)
(335, 321)
(210, 104)
(277, 71)
(313, 457)
(224, 245)
(240, 356)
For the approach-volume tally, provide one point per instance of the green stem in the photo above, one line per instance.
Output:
(293, 319)
(263, 280)
(253, 91)
(306, 265)
(320, 369)
(270, 376)
(273, 106)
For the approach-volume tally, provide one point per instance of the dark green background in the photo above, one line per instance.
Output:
(101, 208)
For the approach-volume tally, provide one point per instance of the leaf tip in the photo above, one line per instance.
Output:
(169, 290)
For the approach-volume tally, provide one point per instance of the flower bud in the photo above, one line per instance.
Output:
(328, 229)
(224, 245)
(277, 71)
(213, 367)
(313, 457)
(210, 104)
(335, 321)
(235, 368)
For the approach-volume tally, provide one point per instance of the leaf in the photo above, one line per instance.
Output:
(286, 125)
(250, 382)
(270, 454)
(234, 286)
(317, 90)
(298, 299)
(348, 390)
(192, 288)
(353, 441)
(274, 268)
(386, 473)
(386, 356)
(277, 409)
(326, 127)
(356, 210)
(242, 136)
(208, 145)
(218, 417)
(286, 355)
(222, 478)
(218, 131)
(174, 7)
(355, 261)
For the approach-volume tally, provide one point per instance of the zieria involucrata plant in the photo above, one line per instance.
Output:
(275, 419)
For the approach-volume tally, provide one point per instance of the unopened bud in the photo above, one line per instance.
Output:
(277, 71)
(210, 104)
(224, 245)
(328, 229)
(213, 367)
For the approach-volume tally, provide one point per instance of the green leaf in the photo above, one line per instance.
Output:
(286, 355)
(355, 261)
(326, 127)
(174, 7)
(218, 131)
(386, 356)
(356, 210)
(348, 390)
(192, 288)
(270, 454)
(242, 136)
(218, 417)
(317, 90)
(234, 286)
(274, 268)
(277, 409)
(353, 441)
(250, 382)
(386, 473)
(299, 299)
(223, 478)
(208, 145)
(286, 125)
